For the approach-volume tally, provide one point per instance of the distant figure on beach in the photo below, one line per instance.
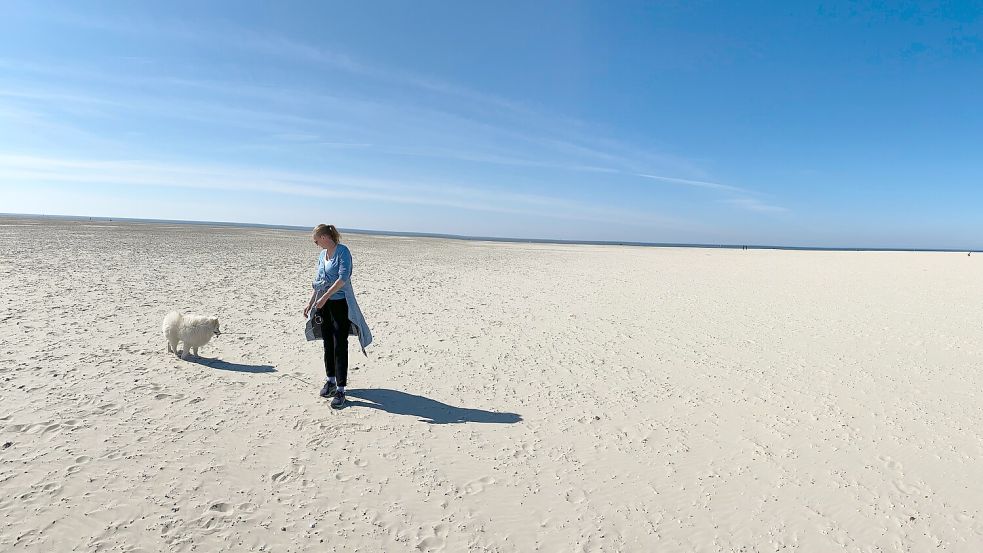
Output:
(334, 300)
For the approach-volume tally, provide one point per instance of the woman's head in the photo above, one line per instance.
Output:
(328, 231)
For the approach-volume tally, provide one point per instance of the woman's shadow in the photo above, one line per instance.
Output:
(428, 410)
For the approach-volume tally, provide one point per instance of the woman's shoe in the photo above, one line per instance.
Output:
(329, 389)
(338, 401)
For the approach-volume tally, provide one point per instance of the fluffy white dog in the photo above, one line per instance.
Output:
(194, 330)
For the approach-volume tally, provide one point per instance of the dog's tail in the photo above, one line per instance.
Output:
(171, 321)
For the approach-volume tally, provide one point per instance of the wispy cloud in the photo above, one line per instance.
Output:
(266, 119)
(285, 48)
(696, 183)
(553, 133)
(752, 204)
(475, 127)
(226, 35)
(27, 124)
(24, 169)
(296, 137)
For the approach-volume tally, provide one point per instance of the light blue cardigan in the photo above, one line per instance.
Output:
(358, 325)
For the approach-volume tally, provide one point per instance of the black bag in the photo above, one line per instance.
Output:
(312, 330)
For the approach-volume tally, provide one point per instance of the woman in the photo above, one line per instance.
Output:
(334, 300)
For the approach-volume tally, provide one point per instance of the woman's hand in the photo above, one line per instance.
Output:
(307, 310)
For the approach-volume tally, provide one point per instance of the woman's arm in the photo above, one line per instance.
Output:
(310, 302)
(344, 273)
(338, 285)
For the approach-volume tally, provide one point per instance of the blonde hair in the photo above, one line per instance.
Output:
(330, 230)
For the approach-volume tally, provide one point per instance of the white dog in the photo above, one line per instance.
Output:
(194, 330)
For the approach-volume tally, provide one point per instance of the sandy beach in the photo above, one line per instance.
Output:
(518, 397)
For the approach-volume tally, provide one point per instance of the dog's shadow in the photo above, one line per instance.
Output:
(428, 410)
(221, 365)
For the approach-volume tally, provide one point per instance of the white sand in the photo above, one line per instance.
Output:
(518, 397)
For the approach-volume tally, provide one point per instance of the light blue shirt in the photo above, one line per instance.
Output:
(329, 270)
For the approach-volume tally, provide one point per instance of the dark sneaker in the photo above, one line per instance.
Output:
(329, 389)
(338, 401)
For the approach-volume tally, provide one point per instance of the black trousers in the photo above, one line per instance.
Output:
(334, 332)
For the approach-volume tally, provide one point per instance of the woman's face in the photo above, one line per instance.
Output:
(323, 241)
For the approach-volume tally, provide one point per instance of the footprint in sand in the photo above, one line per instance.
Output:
(906, 488)
(51, 488)
(246, 507)
(25, 428)
(478, 485)
(361, 463)
(79, 461)
(338, 427)
(106, 409)
(220, 507)
(300, 424)
(49, 427)
(115, 454)
(173, 397)
(435, 542)
(293, 471)
(46, 427)
(898, 481)
(524, 450)
(576, 496)
(891, 463)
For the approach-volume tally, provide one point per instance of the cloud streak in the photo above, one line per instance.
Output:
(550, 133)
(696, 183)
(19, 170)
(284, 127)
(476, 127)
(752, 204)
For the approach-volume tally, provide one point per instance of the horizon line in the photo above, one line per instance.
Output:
(505, 239)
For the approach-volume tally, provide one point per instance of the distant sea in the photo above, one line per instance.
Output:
(479, 238)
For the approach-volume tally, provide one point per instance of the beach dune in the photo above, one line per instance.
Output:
(517, 397)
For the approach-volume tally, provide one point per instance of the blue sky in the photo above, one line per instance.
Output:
(833, 124)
